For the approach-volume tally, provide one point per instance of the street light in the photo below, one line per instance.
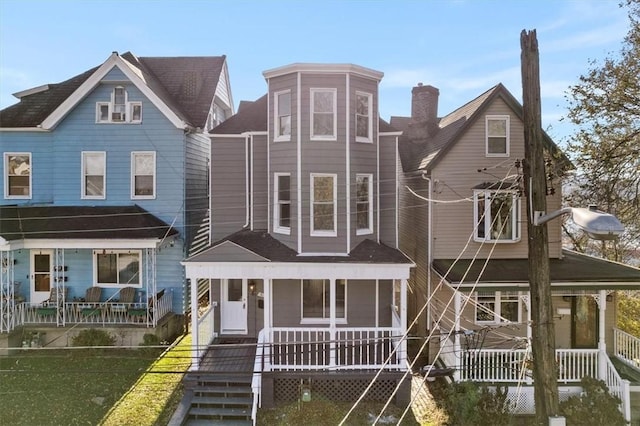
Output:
(595, 223)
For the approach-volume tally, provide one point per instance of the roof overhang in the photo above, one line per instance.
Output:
(323, 69)
(115, 244)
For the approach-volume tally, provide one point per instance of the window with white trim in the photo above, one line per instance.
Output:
(323, 205)
(316, 301)
(323, 114)
(94, 174)
(497, 135)
(119, 109)
(120, 268)
(17, 175)
(498, 307)
(282, 203)
(497, 216)
(363, 117)
(364, 204)
(282, 114)
(143, 174)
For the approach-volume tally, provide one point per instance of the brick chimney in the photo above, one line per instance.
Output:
(424, 111)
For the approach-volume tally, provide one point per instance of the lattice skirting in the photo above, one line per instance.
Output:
(337, 387)
(523, 401)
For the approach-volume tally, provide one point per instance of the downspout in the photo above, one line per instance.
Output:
(429, 254)
(251, 177)
(246, 181)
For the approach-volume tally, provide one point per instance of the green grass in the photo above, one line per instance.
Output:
(91, 387)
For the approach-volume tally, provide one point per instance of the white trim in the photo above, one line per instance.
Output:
(276, 205)
(507, 119)
(332, 285)
(277, 137)
(369, 138)
(299, 161)
(31, 91)
(496, 312)
(5, 177)
(90, 83)
(94, 257)
(300, 67)
(323, 233)
(83, 176)
(82, 243)
(516, 212)
(334, 92)
(134, 154)
(369, 230)
(23, 129)
(347, 183)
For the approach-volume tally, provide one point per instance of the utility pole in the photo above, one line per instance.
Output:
(543, 343)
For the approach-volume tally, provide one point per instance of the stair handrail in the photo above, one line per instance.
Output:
(256, 381)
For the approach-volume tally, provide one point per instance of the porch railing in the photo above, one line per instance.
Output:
(256, 381)
(103, 313)
(206, 333)
(626, 348)
(340, 348)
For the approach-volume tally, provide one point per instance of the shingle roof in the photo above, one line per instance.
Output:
(425, 154)
(86, 222)
(572, 268)
(186, 84)
(263, 244)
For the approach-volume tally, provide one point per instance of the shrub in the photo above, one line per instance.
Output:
(150, 343)
(594, 406)
(93, 337)
(467, 403)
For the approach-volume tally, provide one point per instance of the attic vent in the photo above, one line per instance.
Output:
(189, 88)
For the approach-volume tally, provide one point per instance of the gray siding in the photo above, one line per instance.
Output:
(388, 185)
(260, 183)
(228, 186)
(197, 157)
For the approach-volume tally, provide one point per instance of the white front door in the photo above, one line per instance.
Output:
(233, 310)
(41, 275)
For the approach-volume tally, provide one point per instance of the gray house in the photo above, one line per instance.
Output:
(304, 253)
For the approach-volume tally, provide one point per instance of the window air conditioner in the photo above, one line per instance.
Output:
(117, 116)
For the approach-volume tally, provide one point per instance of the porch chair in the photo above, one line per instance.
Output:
(92, 301)
(56, 299)
(126, 299)
(139, 312)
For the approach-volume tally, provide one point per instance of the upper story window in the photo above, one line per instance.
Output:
(217, 115)
(143, 174)
(93, 174)
(117, 268)
(17, 171)
(283, 116)
(323, 205)
(323, 114)
(364, 204)
(282, 204)
(316, 301)
(363, 117)
(497, 216)
(119, 109)
(497, 307)
(497, 134)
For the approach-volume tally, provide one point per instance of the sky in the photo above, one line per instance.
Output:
(462, 47)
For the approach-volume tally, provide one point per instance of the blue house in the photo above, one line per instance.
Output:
(105, 191)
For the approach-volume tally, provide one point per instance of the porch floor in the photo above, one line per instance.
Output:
(229, 355)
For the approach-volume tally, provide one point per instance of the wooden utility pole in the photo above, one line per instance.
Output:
(543, 342)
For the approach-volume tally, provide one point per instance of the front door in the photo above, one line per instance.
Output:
(585, 323)
(41, 275)
(233, 310)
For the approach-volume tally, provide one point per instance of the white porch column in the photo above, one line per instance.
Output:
(402, 356)
(268, 322)
(602, 345)
(332, 322)
(195, 332)
(457, 302)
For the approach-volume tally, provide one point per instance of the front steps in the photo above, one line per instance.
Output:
(215, 399)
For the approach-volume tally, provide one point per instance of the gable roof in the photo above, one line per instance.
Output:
(84, 222)
(165, 81)
(426, 153)
(262, 245)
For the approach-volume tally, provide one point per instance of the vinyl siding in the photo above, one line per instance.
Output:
(228, 186)
(43, 170)
(454, 178)
(222, 90)
(260, 183)
(388, 184)
(197, 157)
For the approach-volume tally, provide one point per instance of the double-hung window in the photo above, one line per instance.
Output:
(283, 116)
(93, 174)
(282, 203)
(364, 204)
(143, 174)
(316, 301)
(323, 114)
(117, 268)
(497, 135)
(498, 307)
(323, 205)
(119, 109)
(363, 117)
(497, 216)
(17, 175)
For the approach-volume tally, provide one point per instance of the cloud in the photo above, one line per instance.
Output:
(593, 38)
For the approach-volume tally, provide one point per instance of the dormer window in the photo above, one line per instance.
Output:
(497, 135)
(119, 109)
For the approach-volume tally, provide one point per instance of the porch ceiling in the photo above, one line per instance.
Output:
(81, 223)
(572, 270)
